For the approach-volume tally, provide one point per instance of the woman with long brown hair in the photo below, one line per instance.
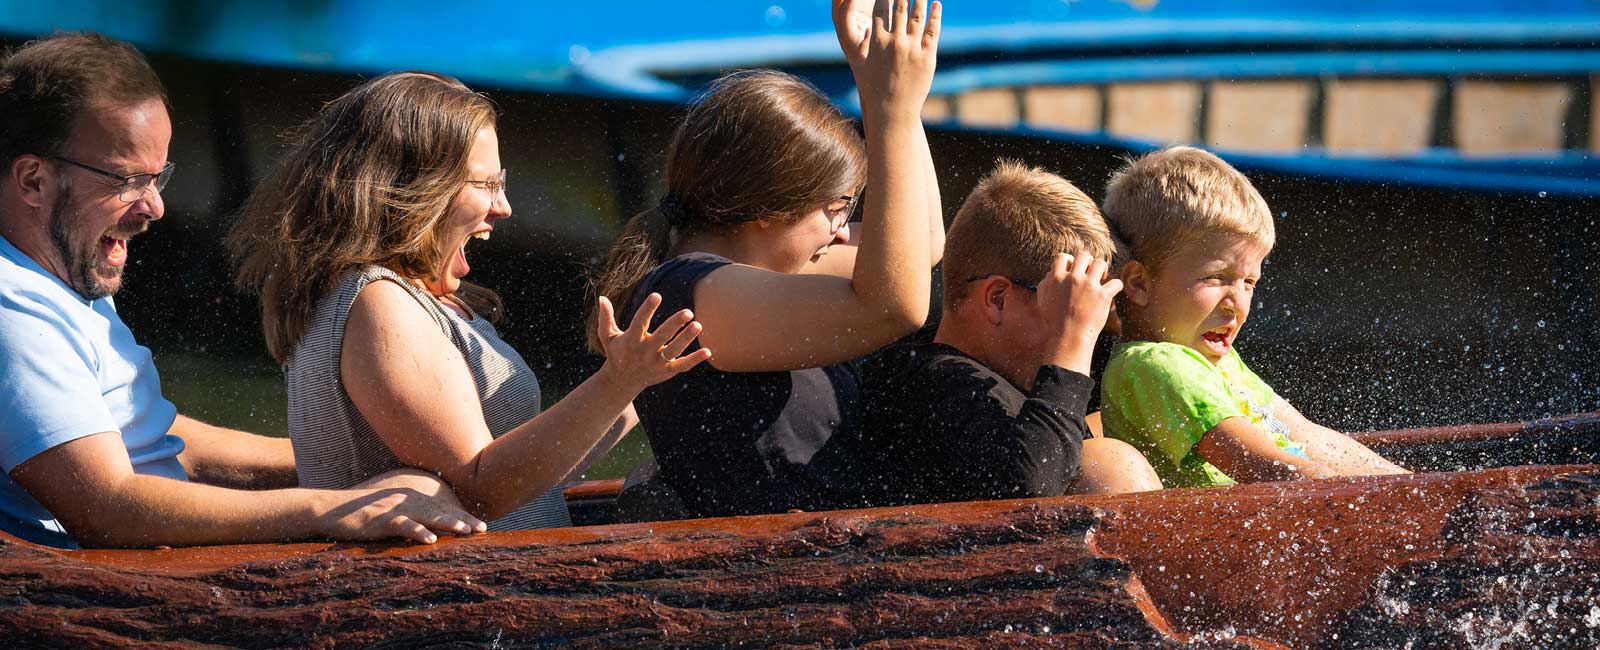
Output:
(762, 176)
(356, 245)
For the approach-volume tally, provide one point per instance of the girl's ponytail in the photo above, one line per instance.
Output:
(642, 246)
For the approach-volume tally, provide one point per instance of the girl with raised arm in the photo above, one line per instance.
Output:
(357, 245)
(752, 234)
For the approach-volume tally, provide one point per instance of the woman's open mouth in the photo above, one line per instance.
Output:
(462, 267)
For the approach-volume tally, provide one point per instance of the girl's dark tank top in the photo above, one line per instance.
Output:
(737, 443)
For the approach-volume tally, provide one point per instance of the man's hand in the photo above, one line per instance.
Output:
(404, 503)
(1075, 301)
(105, 504)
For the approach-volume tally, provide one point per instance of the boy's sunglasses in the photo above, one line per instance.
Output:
(1031, 286)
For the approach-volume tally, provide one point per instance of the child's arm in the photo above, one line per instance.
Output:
(760, 320)
(1337, 451)
(935, 202)
(1245, 453)
(841, 258)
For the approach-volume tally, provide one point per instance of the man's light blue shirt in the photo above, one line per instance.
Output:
(71, 369)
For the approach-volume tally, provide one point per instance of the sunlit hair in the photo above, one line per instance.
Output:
(367, 181)
(47, 83)
(1166, 199)
(758, 145)
(1014, 223)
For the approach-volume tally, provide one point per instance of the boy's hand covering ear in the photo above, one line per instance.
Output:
(1075, 304)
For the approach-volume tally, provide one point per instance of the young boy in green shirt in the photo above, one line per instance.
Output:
(1192, 234)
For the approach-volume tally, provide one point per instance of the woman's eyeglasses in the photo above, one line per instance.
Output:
(494, 185)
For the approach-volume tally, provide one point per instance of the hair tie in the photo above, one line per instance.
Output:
(673, 210)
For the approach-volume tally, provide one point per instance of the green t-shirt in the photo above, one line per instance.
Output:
(1163, 397)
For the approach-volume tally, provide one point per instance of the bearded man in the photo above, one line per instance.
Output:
(93, 454)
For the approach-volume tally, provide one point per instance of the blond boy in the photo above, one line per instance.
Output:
(993, 406)
(1194, 233)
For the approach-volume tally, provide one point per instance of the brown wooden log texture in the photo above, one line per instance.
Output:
(1239, 567)
(990, 574)
(1520, 568)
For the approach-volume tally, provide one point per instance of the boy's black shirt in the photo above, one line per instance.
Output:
(941, 426)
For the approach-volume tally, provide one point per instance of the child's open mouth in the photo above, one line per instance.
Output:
(1218, 340)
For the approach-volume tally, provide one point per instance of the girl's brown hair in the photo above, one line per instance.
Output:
(758, 145)
(367, 181)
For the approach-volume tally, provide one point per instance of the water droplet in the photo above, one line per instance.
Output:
(776, 16)
(578, 54)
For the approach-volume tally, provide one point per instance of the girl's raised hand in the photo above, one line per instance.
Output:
(637, 357)
(852, 23)
(892, 46)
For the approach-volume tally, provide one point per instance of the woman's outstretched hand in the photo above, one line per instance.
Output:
(891, 50)
(637, 357)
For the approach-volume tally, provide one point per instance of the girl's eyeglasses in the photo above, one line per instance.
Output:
(838, 217)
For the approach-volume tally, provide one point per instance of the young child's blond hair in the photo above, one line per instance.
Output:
(1163, 200)
(1014, 223)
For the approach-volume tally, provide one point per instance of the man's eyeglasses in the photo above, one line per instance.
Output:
(495, 184)
(1031, 286)
(131, 187)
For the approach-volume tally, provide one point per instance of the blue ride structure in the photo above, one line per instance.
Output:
(1476, 94)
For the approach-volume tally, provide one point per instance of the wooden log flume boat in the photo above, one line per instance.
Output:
(1445, 559)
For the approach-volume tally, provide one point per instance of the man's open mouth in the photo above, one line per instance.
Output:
(114, 249)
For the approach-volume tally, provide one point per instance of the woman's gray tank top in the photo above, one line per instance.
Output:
(334, 447)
